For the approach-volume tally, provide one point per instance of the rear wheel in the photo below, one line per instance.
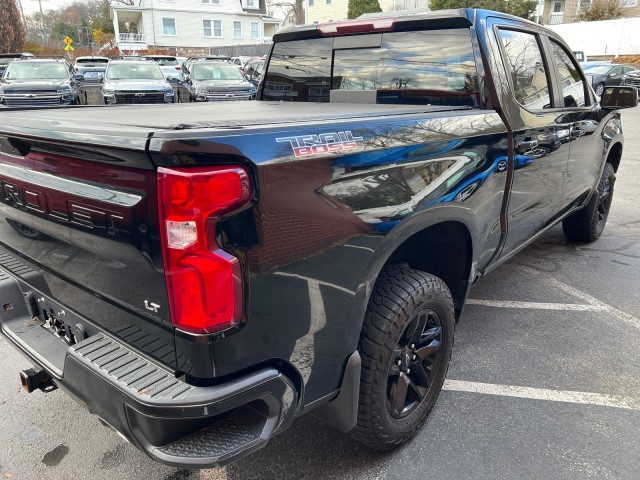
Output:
(406, 345)
(586, 225)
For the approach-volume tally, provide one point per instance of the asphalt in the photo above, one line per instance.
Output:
(467, 435)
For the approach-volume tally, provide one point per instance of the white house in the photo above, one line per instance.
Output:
(191, 27)
(322, 11)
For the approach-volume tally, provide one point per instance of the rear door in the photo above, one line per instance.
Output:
(541, 146)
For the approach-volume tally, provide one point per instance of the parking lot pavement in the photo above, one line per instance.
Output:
(544, 383)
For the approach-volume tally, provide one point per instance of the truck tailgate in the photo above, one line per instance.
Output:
(79, 231)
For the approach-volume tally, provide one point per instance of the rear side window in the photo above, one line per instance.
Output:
(435, 67)
(528, 73)
(573, 88)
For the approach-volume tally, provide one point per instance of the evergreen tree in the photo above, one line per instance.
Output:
(12, 36)
(358, 7)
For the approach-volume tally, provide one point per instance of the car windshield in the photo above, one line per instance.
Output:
(36, 71)
(597, 69)
(204, 72)
(134, 71)
(6, 60)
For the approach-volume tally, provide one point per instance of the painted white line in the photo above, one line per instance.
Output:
(584, 398)
(358, 246)
(314, 280)
(619, 314)
(535, 305)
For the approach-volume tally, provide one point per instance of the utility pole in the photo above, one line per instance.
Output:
(24, 21)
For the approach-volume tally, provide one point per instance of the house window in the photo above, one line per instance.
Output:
(255, 30)
(583, 5)
(250, 3)
(211, 2)
(169, 27)
(237, 29)
(212, 28)
(328, 2)
(311, 3)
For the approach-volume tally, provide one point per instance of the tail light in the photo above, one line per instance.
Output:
(204, 282)
(358, 26)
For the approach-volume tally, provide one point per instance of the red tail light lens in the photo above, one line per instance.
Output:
(203, 281)
(358, 26)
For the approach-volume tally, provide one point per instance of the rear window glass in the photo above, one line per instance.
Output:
(92, 61)
(429, 67)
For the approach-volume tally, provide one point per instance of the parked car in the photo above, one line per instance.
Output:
(7, 58)
(241, 60)
(211, 58)
(211, 272)
(140, 81)
(169, 65)
(604, 75)
(91, 68)
(632, 78)
(209, 81)
(253, 70)
(40, 82)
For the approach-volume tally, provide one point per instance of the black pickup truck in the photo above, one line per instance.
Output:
(199, 275)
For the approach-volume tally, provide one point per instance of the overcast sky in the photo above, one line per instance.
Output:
(31, 6)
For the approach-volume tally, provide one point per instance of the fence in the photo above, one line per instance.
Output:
(242, 50)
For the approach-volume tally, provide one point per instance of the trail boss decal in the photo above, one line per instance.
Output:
(305, 145)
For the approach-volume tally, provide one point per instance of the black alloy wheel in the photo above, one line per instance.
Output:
(414, 363)
(587, 224)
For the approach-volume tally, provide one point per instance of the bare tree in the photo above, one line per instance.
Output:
(601, 10)
(295, 8)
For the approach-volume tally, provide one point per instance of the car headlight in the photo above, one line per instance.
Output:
(200, 90)
(65, 90)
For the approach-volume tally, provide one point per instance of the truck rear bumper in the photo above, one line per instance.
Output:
(173, 422)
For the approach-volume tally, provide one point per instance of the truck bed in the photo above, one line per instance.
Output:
(205, 115)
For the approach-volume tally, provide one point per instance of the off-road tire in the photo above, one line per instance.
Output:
(582, 226)
(400, 296)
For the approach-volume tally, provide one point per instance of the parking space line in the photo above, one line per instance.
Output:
(566, 396)
(358, 246)
(619, 314)
(535, 305)
(315, 280)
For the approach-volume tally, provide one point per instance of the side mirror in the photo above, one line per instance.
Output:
(615, 98)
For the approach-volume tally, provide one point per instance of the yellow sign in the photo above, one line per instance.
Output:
(69, 47)
(68, 40)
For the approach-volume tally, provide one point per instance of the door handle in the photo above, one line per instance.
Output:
(527, 145)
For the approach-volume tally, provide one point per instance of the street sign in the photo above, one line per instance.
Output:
(68, 40)
(69, 48)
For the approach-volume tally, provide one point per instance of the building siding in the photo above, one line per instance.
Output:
(189, 16)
